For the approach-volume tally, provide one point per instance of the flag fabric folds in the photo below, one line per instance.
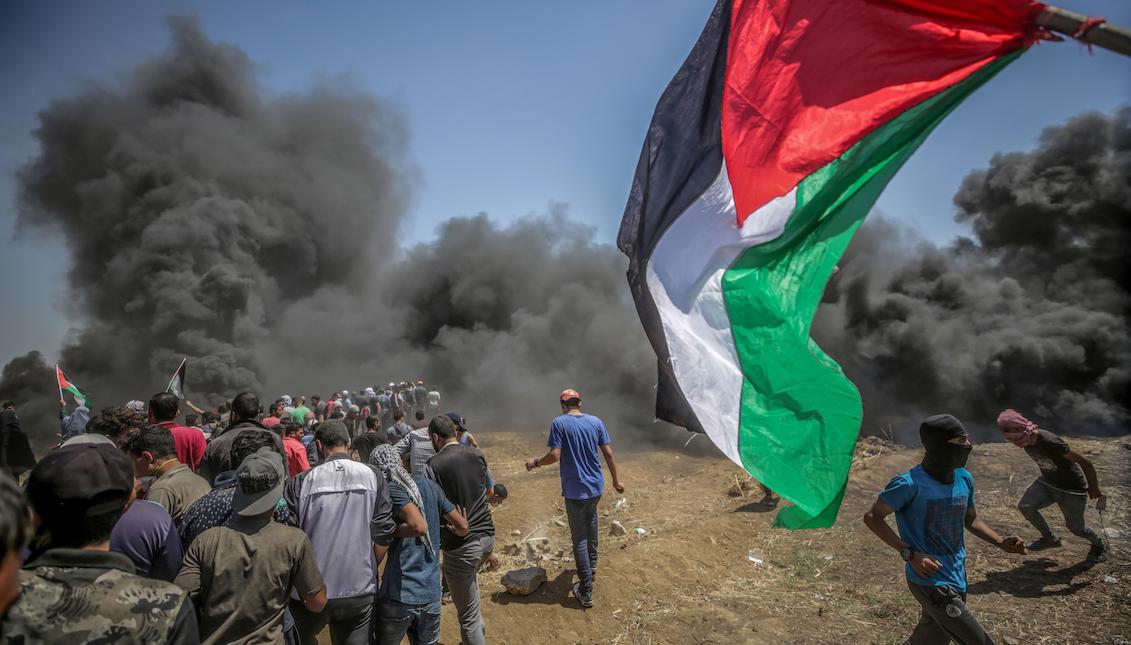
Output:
(65, 385)
(176, 385)
(766, 151)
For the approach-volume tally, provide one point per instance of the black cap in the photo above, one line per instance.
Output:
(82, 480)
(457, 419)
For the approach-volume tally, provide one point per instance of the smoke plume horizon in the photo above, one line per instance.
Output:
(257, 235)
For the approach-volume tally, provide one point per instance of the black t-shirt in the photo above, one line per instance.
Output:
(461, 472)
(1056, 470)
(365, 442)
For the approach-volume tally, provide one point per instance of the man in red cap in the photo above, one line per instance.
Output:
(575, 439)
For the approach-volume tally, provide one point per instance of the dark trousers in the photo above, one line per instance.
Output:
(348, 619)
(945, 617)
(582, 515)
(1072, 505)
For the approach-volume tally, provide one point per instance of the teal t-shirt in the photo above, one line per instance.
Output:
(931, 517)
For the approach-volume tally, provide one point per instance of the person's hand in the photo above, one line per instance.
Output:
(62, 403)
(448, 523)
(1101, 503)
(618, 486)
(531, 464)
(1013, 544)
(923, 565)
(1094, 492)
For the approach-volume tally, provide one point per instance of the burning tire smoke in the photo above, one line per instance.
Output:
(1031, 313)
(256, 234)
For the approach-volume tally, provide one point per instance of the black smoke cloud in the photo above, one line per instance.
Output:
(256, 234)
(1030, 312)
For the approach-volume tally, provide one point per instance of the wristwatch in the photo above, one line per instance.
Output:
(906, 554)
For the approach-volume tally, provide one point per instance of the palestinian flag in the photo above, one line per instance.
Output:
(65, 385)
(176, 385)
(765, 153)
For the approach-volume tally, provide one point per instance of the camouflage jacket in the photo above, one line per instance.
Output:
(73, 596)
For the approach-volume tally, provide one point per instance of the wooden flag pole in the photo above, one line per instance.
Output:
(1086, 30)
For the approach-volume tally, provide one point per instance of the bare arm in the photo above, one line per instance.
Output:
(607, 451)
(1089, 473)
(977, 526)
(457, 523)
(545, 460)
(412, 524)
(316, 602)
(194, 408)
(876, 521)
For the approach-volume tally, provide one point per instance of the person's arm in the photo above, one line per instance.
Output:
(472, 440)
(382, 526)
(194, 408)
(189, 576)
(412, 523)
(1089, 473)
(975, 524)
(457, 522)
(185, 630)
(875, 520)
(547, 459)
(308, 579)
(607, 451)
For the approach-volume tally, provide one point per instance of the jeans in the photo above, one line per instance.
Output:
(944, 618)
(395, 619)
(461, 568)
(348, 619)
(582, 516)
(1039, 496)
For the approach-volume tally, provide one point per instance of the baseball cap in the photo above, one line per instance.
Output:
(259, 483)
(457, 419)
(570, 395)
(80, 480)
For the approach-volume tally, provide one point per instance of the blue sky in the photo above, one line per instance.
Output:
(512, 105)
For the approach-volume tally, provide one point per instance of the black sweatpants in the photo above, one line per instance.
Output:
(945, 618)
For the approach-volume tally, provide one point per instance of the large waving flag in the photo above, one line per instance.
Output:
(765, 153)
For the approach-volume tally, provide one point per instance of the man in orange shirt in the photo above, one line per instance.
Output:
(163, 409)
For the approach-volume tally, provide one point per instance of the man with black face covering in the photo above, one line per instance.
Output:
(932, 503)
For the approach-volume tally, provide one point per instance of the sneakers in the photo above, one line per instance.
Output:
(586, 600)
(769, 500)
(1043, 543)
(1098, 553)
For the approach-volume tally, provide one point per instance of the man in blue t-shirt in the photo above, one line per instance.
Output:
(575, 439)
(933, 502)
(408, 601)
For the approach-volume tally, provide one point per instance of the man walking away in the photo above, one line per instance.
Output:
(364, 443)
(461, 472)
(409, 598)
(218, 456)
(932, 503)
(399, 429)
(417, 448)
(575, 439)
(1067, 479)
(344, 507)
(215, 508)
(163, 409)
(154, 454)
(241, 574)
(292, 447)
(420, 396)
(419, 421)
(77, 590)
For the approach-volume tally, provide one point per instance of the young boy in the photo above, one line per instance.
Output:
(932, 503)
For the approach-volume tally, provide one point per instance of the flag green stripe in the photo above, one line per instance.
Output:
(800, 415)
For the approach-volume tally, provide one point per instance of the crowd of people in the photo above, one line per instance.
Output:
(270, 525)
(273, 525)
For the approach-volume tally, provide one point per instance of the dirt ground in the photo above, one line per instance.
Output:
(688, 578)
